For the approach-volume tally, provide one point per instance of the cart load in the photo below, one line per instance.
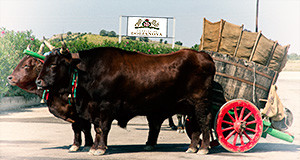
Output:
(247, 67)
(234, 40)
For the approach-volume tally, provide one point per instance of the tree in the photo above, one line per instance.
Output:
(178, 43)
(69, 33)
(293, 56)
(112, 34)
(103, 32)
(195, 47)
(131, 38)
(144, 39)
(161, 40)
(166, 42)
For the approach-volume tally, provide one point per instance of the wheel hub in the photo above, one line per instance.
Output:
(239, 126)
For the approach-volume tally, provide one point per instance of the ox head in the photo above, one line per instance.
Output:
(26, 72)
(56, 71)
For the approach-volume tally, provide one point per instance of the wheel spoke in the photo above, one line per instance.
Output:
(242, 141)
(235, 113)
(251, 122)
(235, 138)
(242, 113)
(233, 120)
(230, 134)
(230, 123)
(250, 129)
(247, 136)
(227, 129)
(247, 116)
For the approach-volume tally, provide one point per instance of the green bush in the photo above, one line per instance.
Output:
(147, 48)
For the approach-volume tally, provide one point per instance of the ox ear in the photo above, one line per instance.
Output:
(76, 62)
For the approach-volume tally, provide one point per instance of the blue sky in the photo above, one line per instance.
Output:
(278, 19)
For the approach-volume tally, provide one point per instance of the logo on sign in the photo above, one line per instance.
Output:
(147, 24)
(147, 27)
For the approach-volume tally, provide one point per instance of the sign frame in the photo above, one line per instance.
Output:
(148, 17)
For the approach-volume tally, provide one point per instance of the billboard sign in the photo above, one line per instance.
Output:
(147, 27)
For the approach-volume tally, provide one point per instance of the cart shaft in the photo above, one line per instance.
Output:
(276, 133)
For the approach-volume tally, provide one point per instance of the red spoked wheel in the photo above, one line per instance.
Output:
(238, 125)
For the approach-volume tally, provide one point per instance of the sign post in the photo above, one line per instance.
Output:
(120, 29)
(152, 27)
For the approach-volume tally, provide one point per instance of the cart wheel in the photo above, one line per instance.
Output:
(238, 125)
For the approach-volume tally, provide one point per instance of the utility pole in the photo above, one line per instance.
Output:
(257, 5)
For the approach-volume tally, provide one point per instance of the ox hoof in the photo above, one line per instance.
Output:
(99, 152)
(180, 130)
(149, 148)
(91, 151)
(73, 148)
(191, 150)
(202, 151)
(86, 149)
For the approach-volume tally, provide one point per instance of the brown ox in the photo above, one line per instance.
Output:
(24, 76)
(118, 84)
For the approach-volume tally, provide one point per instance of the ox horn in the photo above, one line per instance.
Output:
(41, 50)
(28, 47)
(48, 45)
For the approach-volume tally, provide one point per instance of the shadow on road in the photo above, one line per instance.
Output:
(182, 147)
(117, 149)
(263, 147)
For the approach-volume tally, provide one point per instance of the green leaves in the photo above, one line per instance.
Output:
(148, 48)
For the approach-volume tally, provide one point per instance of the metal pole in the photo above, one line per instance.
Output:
(173, 43)
(256, 26)
(120, 29)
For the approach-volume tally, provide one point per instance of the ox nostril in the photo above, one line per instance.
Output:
(38, 82)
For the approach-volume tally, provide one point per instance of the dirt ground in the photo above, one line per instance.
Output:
(35, 134)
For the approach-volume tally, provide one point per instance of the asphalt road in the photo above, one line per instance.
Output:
(35, 134)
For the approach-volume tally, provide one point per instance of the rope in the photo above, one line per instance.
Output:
(74, 86)
(254, 83)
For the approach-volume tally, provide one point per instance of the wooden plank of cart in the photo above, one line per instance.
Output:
(245, 104)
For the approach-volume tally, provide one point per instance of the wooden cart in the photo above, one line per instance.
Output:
(242, 86)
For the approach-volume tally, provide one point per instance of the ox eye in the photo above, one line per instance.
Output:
(26, 67)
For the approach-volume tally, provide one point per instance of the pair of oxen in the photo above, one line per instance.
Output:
(104, 84)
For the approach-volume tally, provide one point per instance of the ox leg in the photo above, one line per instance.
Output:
(154, 123)
(86, 128)
(203, 119)
(195, 133)
(77, 137)
(171, 123)
(101, 136)
(180, 128)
